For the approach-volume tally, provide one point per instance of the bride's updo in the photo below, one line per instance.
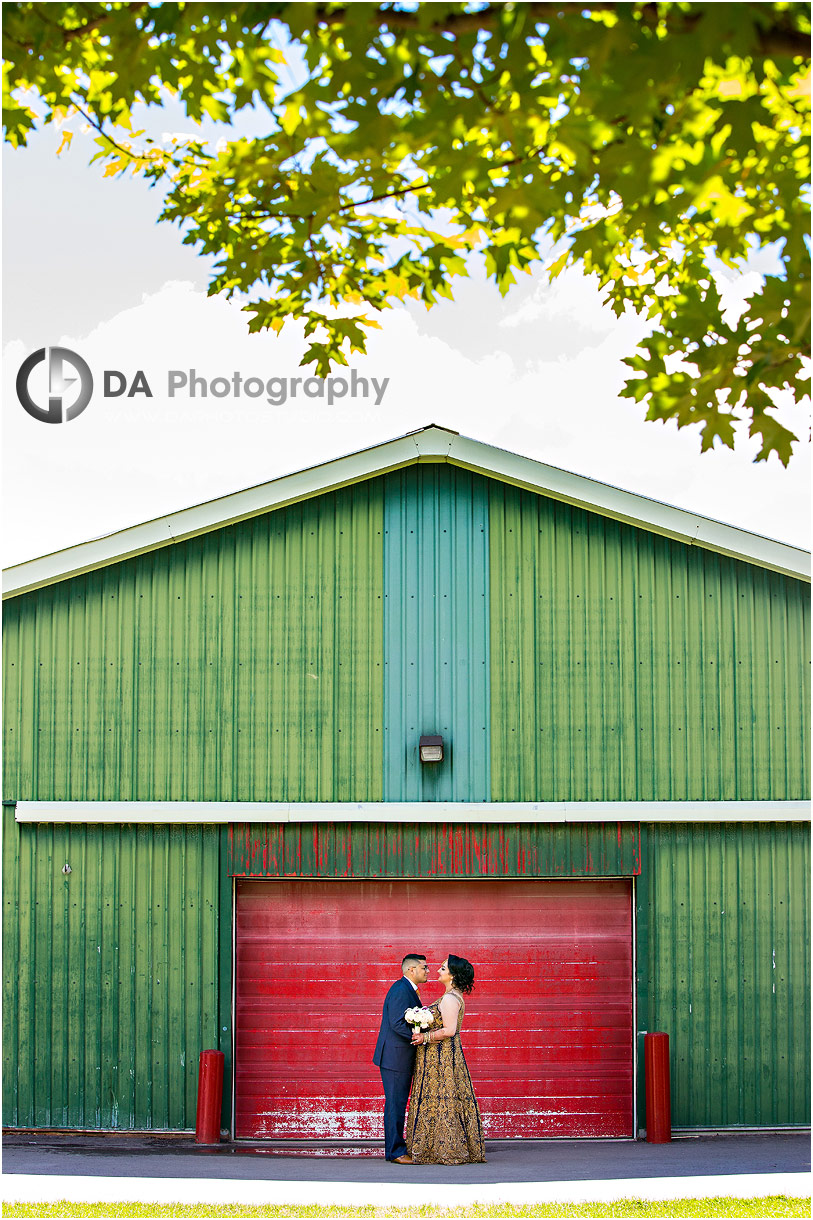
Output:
(462, 973)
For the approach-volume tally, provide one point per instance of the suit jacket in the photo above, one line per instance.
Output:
(394, 1049)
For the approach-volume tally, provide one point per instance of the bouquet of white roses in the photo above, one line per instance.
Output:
(419, 1018)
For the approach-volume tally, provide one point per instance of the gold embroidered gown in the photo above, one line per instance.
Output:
(443, 1127)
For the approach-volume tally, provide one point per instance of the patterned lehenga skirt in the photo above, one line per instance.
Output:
(443, 1127)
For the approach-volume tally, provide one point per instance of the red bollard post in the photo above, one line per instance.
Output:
(210, 1097)
(658, 1099)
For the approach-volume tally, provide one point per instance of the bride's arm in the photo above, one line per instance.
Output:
(449, 1008)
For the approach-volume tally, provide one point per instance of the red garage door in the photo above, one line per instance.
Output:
(548, 1030)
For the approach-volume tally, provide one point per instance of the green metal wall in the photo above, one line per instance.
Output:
(724, 968)
(625, 666)
(251, 664)
(242, 665)
(436, 613)
(116, 975)
(602, 662)
(434, 850)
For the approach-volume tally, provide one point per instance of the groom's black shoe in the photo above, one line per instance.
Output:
(406, 1159)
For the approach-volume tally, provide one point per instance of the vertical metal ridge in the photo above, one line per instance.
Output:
(627, 666)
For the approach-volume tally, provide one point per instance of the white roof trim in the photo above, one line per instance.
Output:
(432, 444)
(417, 811)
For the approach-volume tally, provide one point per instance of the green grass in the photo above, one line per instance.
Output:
(771, 1205)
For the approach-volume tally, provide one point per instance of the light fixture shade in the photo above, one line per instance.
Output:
(430, 749)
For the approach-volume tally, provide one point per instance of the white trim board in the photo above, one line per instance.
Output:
(431, 444)
(404, 811)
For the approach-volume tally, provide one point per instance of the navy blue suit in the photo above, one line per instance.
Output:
(395, 1056)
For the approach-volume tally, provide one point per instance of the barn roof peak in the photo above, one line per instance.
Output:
(433, 443)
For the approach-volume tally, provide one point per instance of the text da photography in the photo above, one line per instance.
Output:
(275, 390)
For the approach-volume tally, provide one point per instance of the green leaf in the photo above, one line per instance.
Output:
(396, 148)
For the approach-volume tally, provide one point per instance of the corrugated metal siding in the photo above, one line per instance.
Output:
(436, 612)
(725, 968)
(629, 667)
(113, 974)
(422, 850)
(242, 665)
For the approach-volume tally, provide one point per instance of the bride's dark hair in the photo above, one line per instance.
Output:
(462, 973)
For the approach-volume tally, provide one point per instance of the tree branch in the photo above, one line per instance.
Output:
(360, 203)
(779, 40)
(76, 31)
(169, 158)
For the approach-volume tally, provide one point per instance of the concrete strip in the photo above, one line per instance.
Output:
(40, 1188)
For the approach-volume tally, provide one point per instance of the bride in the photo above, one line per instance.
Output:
(443, 1127)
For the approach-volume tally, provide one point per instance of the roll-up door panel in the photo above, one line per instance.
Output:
(548, 1029)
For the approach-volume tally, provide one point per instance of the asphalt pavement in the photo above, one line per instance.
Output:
(167, 1169)
(506, 1160)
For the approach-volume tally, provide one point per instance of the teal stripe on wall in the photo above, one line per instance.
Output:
(436, 635)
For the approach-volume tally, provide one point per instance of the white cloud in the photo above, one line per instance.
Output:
(129, 459)
(538, 372)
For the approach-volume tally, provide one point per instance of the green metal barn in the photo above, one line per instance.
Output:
(214, 799)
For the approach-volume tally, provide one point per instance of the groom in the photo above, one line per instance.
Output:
(395, 1054)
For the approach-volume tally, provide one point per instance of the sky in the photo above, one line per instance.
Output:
(87, 266)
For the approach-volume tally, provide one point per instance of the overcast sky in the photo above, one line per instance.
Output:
(86, 266)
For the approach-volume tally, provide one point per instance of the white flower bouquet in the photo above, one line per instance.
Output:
(419, 1018)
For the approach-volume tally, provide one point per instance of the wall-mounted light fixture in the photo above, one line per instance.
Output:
(430, 749)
